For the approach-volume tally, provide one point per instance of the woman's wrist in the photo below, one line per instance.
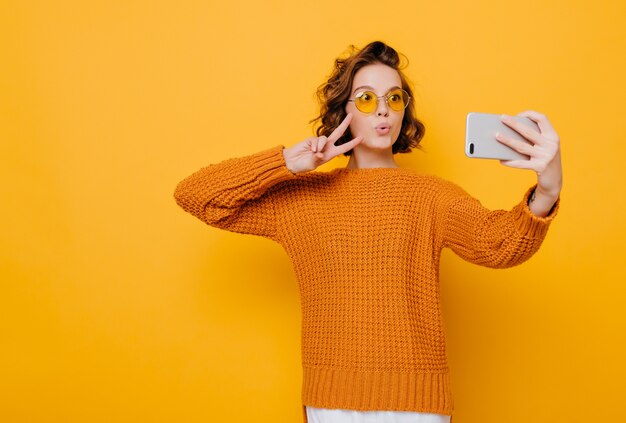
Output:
(541, 203)
(288, 160)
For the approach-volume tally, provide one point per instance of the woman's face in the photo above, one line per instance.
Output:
(380, 79)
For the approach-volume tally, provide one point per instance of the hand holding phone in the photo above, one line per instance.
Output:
(480, 136)
(544, 153)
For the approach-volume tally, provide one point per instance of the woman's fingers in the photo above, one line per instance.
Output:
(321, 142)
(519, 146)
(544, 155)
(321, 146)
(528, 133)
(338, 132)
(520, 164)
(340, 149)
(542, 121)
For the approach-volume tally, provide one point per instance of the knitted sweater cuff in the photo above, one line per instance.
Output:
(529, 224)
(272, 166)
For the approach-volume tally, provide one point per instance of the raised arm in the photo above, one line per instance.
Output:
(236, 194)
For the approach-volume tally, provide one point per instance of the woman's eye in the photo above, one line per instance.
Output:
(395, 97)
(366, 97)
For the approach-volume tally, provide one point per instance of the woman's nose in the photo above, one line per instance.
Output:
(382, 107)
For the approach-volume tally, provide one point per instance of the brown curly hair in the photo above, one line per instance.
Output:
(334, 93)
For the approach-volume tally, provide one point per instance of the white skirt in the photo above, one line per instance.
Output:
(338, 415)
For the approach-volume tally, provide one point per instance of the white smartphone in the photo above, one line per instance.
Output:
(480, 136)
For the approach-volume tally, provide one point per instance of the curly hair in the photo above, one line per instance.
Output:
(334, 93)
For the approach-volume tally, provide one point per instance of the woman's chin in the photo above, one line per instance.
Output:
(381, 142)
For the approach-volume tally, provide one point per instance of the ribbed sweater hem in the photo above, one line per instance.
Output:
(377, 390)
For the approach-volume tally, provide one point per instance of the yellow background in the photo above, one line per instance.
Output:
(116, 306)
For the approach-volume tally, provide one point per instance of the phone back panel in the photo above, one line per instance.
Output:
(480, 136)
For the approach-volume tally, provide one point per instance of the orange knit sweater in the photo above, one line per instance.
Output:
(365, 245)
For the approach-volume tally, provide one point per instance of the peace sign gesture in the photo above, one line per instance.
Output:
(315, 151)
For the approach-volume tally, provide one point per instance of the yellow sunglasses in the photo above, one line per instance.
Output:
(367, 101)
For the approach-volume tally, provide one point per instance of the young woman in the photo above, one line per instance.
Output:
(365, 240)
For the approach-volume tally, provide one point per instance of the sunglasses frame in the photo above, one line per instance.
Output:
(386, 97)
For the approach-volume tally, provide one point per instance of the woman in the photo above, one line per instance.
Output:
(365, 240)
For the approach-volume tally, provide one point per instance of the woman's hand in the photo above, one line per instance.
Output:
(544, 153)
(315, 151)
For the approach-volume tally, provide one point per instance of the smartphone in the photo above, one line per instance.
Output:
(480, 136)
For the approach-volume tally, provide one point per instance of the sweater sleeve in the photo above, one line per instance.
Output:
(493, 238)
(235, 194)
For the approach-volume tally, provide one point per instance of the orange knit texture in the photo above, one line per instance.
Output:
(365, 245)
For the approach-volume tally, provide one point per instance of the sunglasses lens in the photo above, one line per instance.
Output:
(397, 100)
(366, 101)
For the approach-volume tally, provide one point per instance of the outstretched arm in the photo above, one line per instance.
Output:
(490, 238)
